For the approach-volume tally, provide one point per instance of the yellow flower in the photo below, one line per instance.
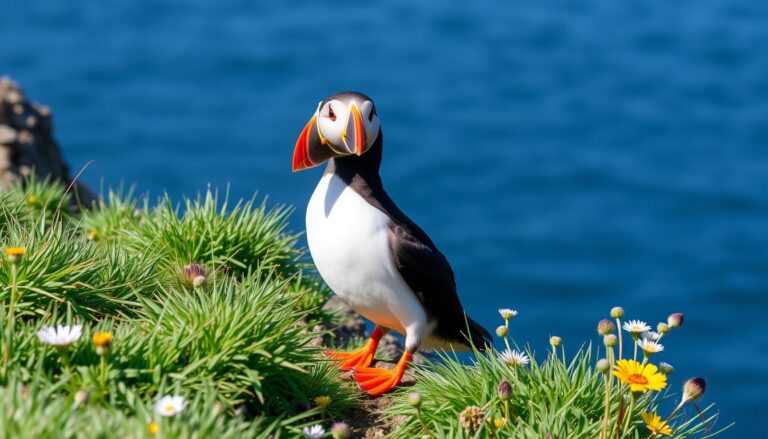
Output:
(500, 422)
(93, 234)
(32, 199)
(656, 425)
(14, 254)
(323, 401)
(639, 377)
(153, 428)
(102, 339)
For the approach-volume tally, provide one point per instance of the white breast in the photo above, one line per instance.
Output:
(348, 241)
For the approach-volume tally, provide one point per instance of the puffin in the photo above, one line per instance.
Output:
(369, 252)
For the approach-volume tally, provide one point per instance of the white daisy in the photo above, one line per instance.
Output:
(515, 358)
(649, 346)
(507, 313)
(170, 405)
(652, 335)
(314, 431)
(636, 327)
(60, 336)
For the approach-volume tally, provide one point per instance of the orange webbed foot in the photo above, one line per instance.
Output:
(377, 381)
(362, 357)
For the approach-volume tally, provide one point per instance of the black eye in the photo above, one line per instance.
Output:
(371, 114)
(331, 114)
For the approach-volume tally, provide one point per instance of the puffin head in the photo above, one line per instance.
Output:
(344, 124)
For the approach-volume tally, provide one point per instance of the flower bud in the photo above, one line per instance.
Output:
(82, 397)
(193, 274)
(693, 389)
(605, 327)
(93, 235)
(675, 320)
(414, 399)
(603, 366)
(610, 340)
(102, 340)
(14, 254)
(617, 312)
(666, 368)
(501, 331)
(340, 430)
(555, 341)
(504, 390)
(662, 328)
(507, 313)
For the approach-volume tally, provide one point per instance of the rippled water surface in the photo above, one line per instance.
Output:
(566, 157)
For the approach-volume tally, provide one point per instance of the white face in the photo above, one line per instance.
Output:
(332, 119)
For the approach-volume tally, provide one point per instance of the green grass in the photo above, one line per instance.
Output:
(237, 348)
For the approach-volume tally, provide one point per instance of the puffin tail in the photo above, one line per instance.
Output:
(478, 336)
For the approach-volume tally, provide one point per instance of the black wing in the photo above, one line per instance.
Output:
(429, 275)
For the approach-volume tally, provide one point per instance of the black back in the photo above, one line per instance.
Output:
(422, 266)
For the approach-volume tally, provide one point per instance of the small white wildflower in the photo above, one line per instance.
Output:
(507, 313)
(649, 346)
(60, 336)
(636, 327)
(515, 358)
(651, 335)
(314, 432)
(170, 405)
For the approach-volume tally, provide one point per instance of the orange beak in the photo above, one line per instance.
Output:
(310, 149)
(354, 133)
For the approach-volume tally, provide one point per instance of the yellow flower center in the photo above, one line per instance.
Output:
(636, 378)
(169, 409)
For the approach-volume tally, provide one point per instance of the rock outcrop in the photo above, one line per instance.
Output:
(26, 142)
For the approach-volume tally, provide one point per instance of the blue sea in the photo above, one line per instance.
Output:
(566, 156)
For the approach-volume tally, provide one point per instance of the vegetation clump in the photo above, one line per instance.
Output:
(136, 320)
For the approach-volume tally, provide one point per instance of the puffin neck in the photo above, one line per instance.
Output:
(364, 167)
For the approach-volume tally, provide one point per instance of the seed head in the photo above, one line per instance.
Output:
(610, 340)
(414, 399)
(340, 430)
(666, 368)
(603, 366)
(471, 418)
(694, 388)
(501, 331)
(555, 341)
(675, 320)
(605, 327)
(617, 312)
(504, 390)
(662, 328)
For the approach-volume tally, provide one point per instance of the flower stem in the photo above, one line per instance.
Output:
(10, 329)
(423, 424)
(634, 339)
(606, 412)
(104, 372)
(628, 420)
(506, 341)
(618, 329)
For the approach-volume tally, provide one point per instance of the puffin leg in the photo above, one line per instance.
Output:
(377, 381)
(360, 357)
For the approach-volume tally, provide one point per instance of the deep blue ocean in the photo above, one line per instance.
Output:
(565, 156)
